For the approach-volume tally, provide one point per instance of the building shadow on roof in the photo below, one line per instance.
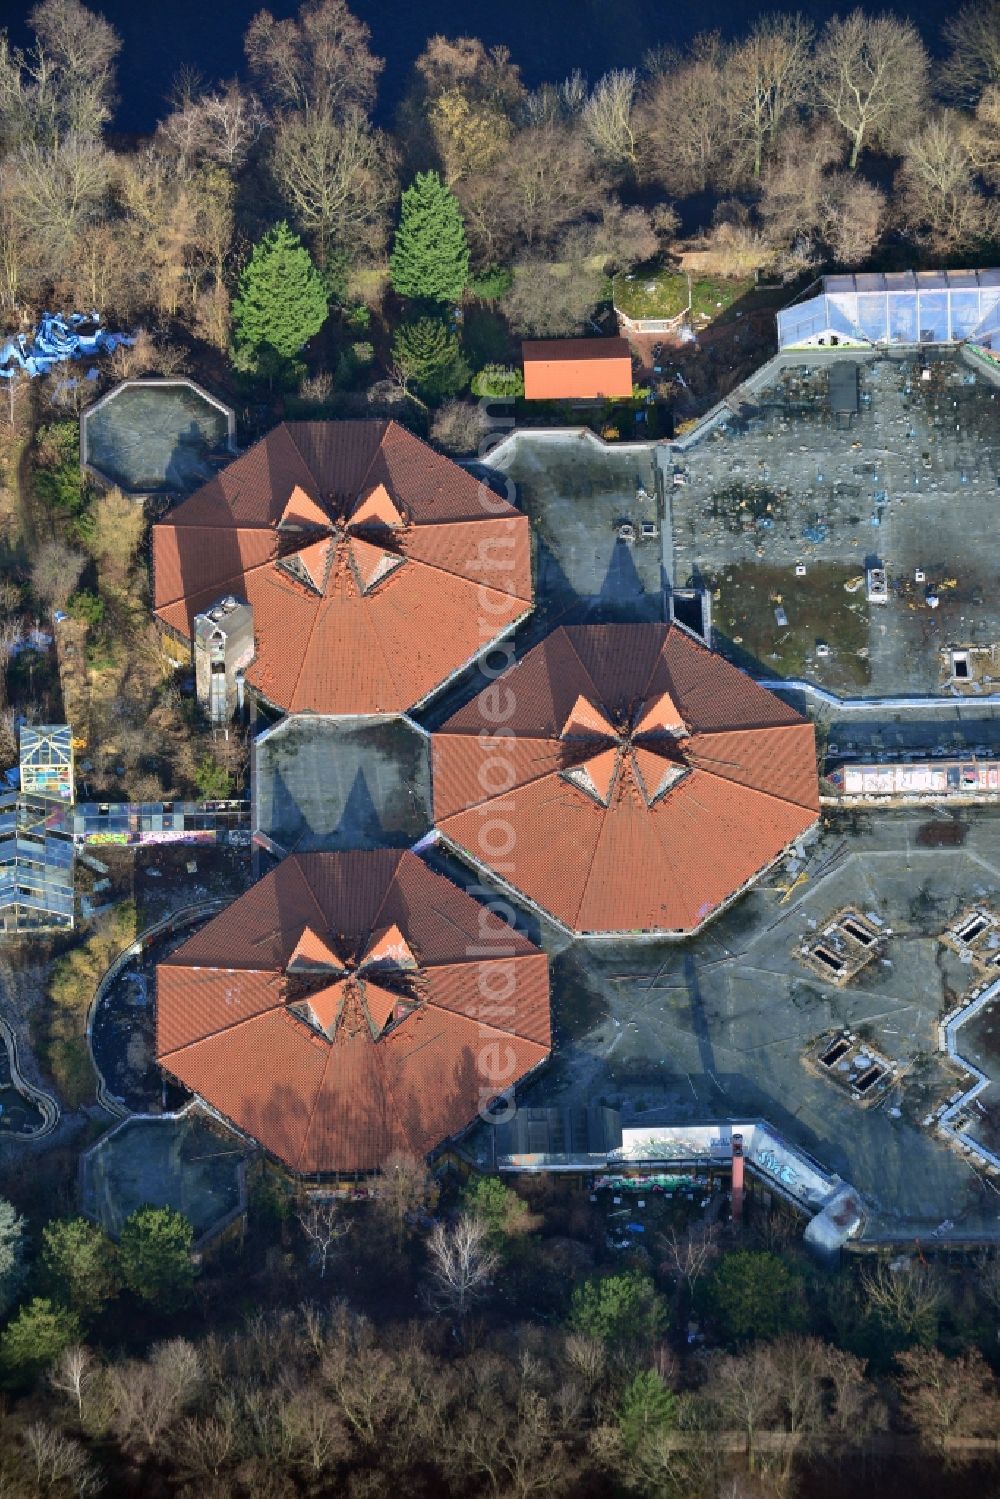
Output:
(359, 825)
(442, 860)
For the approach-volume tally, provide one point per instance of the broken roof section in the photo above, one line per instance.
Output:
(896, 307)
(376, 568)
(341, 1009)
(644, 782)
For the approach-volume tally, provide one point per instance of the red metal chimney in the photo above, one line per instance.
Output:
(737, 1193)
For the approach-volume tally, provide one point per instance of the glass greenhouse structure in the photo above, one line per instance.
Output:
(897, 307)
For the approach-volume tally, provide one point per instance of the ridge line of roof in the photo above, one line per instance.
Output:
(485, 1026)
(314, 1106)
(381, 1062)
(497, 592)
(286, 428)
(593, 685)
(297, 860)
(387, 422)
(385, 895)
(227, 1029)
(786, 801)
(305, 651)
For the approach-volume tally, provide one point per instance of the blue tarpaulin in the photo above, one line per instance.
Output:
(57, 338)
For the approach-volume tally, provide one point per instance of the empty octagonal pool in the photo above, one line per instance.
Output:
(157, 436)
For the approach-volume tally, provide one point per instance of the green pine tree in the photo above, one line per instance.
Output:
(155, 1256)
(430, 256)
(35, 1338)
(80, 1264)
(429, 354)
(282, 300)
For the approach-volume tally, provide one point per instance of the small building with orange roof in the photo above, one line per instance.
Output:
(576, 369)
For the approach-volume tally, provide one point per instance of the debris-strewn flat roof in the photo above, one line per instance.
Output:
(644, 782)
(371, 562)
(576, 368)
(339, 1010)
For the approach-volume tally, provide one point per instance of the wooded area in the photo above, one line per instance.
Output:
(501, 1352)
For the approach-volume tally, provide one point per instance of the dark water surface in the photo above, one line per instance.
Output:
(548, 38)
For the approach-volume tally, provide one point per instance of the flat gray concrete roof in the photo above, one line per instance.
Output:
(911, 482)
(329, 783)
(718, 1027)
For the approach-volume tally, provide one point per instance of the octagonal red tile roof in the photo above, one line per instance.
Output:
(625, 778)
(375, 567)
(350, 1005)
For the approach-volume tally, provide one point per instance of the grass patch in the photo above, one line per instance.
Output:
(817, 608)
(664, 294)
(486, 338)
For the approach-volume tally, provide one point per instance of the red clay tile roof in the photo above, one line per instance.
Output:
(561, 369)
(635, 782)
(349, 1005)
(375, 566)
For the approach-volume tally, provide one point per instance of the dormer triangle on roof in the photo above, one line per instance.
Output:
(311, 952)
(659, 715)
(316, 560)
(376, 507)
(389, 949)
(380, 1004)
(372, 562)
(300, 510)
(586, 720)
(601, 770)
(656, 772)
(326, 1005)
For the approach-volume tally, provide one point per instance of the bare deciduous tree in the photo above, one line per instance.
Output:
(459, 427)
(939, 199)
(322, 1222)
(313, 1429)
(470, 135)
(64, 85)
(766, 78)
(73, 1374)
(852, 216)
(871, 77)
(687, 124)
(339, 178)
(56, 190)
(220, 127)
(982, 139)
(907, 1297)
(402, 1188)
(149, 1395)
(550, 181)
(812, 210)
(973, 62)
(744, 1391)
(117, 525)
(607, 118)
(947, 1396)
(688, 1256)
(58, 1461)
(553, 299)
(461, 1263)
(55, 572)
(318, 61)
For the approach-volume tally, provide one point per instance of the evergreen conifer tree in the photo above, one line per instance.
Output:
(282, 300)
(429, 354)
(430, 256)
